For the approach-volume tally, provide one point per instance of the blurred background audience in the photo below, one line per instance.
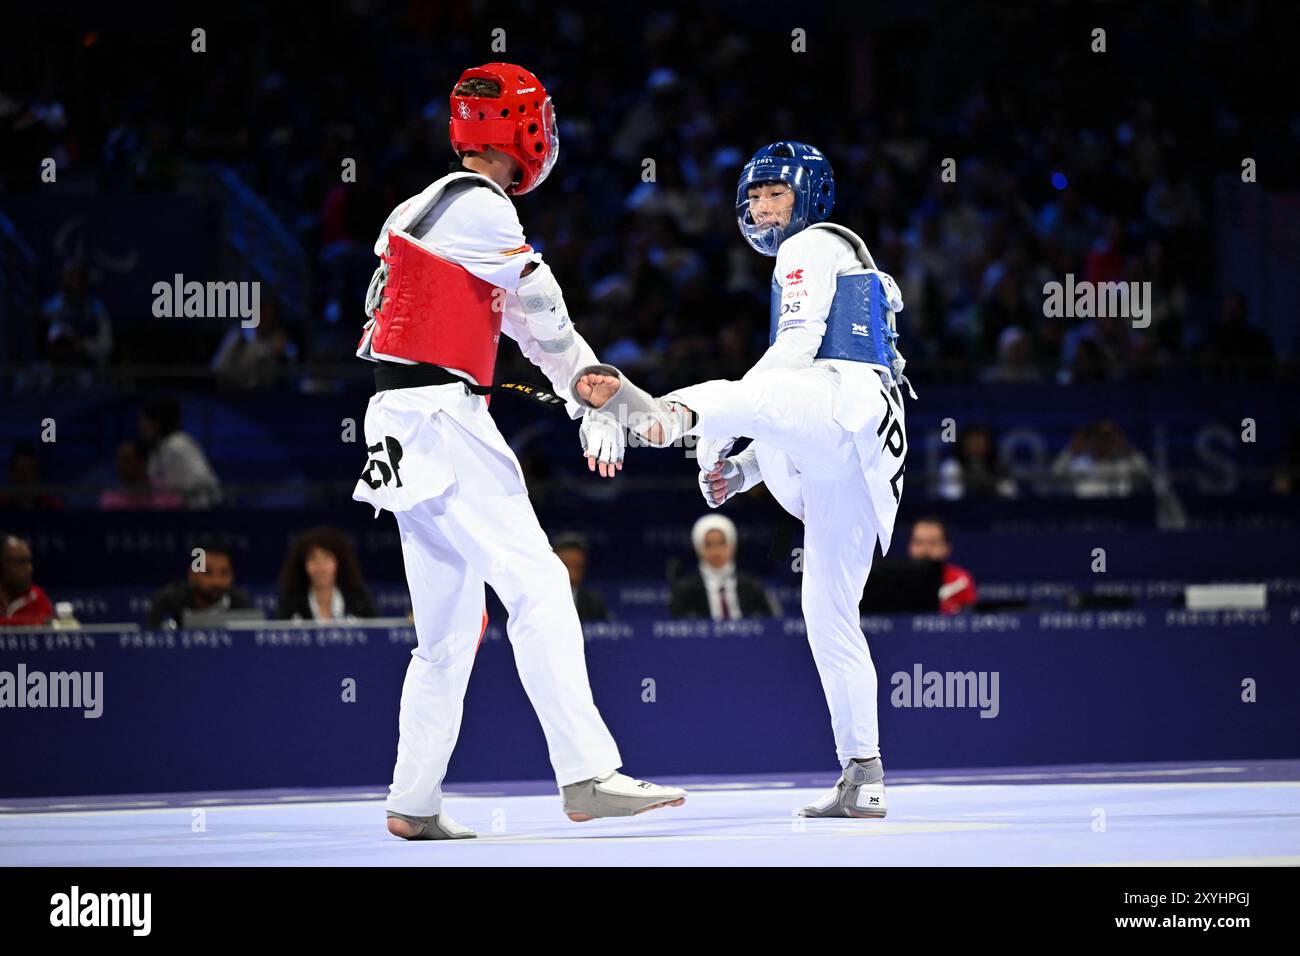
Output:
(276, 160)
(573, 549)
(176, 463)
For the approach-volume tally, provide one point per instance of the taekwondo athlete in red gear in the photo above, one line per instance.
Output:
(456, 271)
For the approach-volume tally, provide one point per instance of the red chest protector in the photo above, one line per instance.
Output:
(434, 311)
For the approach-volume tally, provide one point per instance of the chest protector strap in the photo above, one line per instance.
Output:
(424, 308)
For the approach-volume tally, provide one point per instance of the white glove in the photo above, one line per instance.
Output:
(603, 440)
(710, 451)
(738, 473)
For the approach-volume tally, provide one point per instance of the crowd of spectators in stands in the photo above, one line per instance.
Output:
(166, 468)
(1119, 190)
(321, 581)
(638, 221)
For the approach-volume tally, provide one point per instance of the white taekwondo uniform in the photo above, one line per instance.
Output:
(465, 518)
(829, 440)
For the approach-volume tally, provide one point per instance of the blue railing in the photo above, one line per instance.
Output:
(263, 242)
(18, 299)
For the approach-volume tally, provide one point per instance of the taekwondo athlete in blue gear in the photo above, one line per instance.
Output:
(824, 409)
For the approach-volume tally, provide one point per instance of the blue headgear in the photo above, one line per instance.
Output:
(808, 174)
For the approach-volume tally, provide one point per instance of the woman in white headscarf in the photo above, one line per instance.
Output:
(718, 590)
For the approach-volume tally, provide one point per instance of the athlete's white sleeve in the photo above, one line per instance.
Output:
(807, 266)
(559, 358)
(480, 230)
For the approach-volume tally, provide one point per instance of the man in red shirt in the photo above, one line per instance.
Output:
(21, 601)
(930, 543)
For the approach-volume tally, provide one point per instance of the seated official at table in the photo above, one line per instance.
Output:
(209, 586)
(321, 579)
(22, 602)
(929, 542)
(573, 548)
(717, 590)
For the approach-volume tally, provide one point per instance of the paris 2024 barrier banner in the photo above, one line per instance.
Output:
(115, 710)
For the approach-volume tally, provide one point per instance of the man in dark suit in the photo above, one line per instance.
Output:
(208, 586)
(572, 549)
(717, 590)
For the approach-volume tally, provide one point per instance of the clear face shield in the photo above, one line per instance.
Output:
(769, 210)
(552, 133)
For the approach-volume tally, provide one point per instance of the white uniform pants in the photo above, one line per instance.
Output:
(812, 466)
(479, 529)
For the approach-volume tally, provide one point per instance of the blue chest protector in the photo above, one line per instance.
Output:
(857, 326)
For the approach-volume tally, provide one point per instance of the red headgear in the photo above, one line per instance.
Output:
(520, 122)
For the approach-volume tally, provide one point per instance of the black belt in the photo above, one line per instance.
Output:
(390, 375)
(783, 536)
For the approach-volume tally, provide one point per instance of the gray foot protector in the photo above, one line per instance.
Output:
(587, 796)
(855, 776)
(432, 828)
(634, 408)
